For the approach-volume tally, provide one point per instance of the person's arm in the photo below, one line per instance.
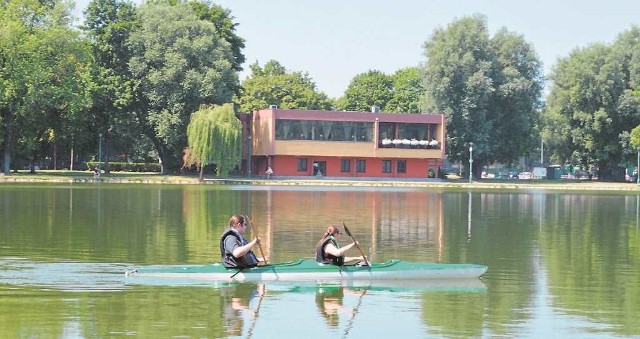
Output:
(337, 252)
(244, 249)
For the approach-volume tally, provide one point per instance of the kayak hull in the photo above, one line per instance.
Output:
(309, 270)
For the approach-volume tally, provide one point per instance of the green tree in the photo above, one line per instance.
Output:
(488, 88)
(43, 65)
(109, 24)
(223, 21)
(272, 85)
(372, 88)
(178, 63)
(592, 97)
(407, 92)
(215, 137)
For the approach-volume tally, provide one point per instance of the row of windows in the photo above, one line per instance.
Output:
(361, 165)
(356, 131)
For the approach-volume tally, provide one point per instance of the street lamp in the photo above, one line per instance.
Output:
(471, 160)
(638, 168)
(99, 151)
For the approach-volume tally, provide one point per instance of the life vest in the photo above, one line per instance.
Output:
(326, 258)
(228, 260)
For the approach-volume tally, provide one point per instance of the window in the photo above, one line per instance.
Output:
(345, 165)
(361, 166)
(302, 165)
(402, 166)
(386, 166)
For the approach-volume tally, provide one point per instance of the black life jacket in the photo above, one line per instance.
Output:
(326, 258)
(228, 260)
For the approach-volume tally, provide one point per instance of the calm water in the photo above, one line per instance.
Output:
(561, 264)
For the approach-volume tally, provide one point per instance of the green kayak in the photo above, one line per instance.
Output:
(309, 270)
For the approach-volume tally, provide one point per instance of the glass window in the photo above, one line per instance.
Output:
(402, 166)
(361, 166)
(386, 166)
(345, 165)
(324, 130)
(302, 164)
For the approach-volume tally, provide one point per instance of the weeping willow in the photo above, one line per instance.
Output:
(215, 135)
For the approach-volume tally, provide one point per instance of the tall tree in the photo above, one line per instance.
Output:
(179, 63)
(407, 92)
(109, 24)
(488, 88)
(215, 137)
(592, 98)
(273, 85)
(372, 88)
(43, 63)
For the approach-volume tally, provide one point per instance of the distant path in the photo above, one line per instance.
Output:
(154, 178)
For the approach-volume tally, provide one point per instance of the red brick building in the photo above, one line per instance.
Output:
(343, 144)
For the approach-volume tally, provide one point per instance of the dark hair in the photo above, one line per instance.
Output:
(236, 219)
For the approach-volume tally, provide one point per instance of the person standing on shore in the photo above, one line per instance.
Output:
(235, 250)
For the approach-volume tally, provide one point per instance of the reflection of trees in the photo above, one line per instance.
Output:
(205, 213)
(498, 240)
(592, 254)
(451, 314)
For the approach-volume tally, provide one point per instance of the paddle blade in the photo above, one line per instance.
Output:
(346, 229)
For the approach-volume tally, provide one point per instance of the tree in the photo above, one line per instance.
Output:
(372, 88)
(109, 24)
(272, 85)
(43, 64)
(178, 63)
(592, 98)
(488, 88)
(215, 137)
(407, 92)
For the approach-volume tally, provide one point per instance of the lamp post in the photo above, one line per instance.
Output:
(638, 168)
(99, 151)
(470, 161)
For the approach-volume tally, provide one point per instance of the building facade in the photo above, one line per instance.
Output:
(343, 144)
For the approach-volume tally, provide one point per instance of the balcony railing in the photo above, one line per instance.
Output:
(409, 143)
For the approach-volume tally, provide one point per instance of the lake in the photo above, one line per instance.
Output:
(561, 263)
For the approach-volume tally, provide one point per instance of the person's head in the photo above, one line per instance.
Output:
(238, 223)
(332, 230)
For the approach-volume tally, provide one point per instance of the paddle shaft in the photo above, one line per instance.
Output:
(356, 243)
(253, 229)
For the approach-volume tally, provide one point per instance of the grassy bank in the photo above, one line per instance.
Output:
(45, 176)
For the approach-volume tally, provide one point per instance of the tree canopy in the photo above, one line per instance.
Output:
(178, 63)
(273, 85)
(215, 137)
(489, 89)
(592, 107)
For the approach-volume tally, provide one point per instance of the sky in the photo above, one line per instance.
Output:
(335, 40)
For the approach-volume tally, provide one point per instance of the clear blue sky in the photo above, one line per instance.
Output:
(335, 40)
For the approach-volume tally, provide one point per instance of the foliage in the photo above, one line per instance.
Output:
(215, 137)
(272, 85)
(372, 88)
(488, 88)
(592, 108)
(117, 166)
(109, 24)
(407, 92)
(178, 63)
(43, 73)
(635, 137)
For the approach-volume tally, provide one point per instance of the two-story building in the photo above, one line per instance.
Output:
(343, 144)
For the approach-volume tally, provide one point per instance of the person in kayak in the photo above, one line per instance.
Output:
(328, 250)
(234, 248)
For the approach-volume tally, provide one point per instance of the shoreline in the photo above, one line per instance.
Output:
(83, 177)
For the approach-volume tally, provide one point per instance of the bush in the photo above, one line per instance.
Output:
(116, 166)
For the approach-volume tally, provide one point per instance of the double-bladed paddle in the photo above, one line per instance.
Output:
(253, 229)
(346, 229)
